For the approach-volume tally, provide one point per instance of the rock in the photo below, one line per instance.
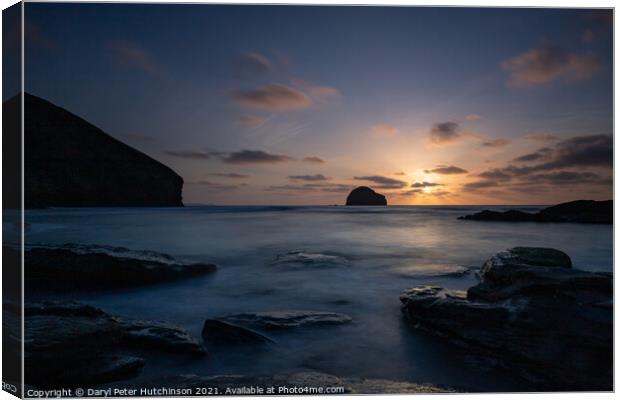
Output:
(75, 269)
(296, 259)
(286, 383)
(71, 163)
(532, 313)
(580, 211)
(221, 332)
(287, 319)
(71, 344)
(365, 196)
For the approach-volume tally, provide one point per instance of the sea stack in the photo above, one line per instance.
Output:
(365, 196)
(72, 163)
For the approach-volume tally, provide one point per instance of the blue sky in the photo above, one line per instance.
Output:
(235, 98)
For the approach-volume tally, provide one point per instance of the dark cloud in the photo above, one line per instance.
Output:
(425, 184)
(199, 155)
(321, 187)
(231, 175)
(542, 137)
(565, 177)
(444, 132)
(446, 170)
(313, 160)
(253, 157)
(495, 142)
(535, 156)
(273, 97)
(495, 174)
(400, 173)
(383, 182)
(316, 177)
(544, 64)
(479, 185)
(213, 185)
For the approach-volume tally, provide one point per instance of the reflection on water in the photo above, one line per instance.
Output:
(349, 260)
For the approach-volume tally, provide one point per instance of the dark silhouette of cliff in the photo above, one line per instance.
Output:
(71, 163)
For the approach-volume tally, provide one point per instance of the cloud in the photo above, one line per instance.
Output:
(199, 155)
(541, 137)
(564, 177)
(444, 132)
(446, 170)
(548, 63)
(539, 154)
(383, 182)
(139, 137)
(251, 120)
(316, 91)
(425, 184)
(253, 63)
(400, 173)
(273, 97)
(322, 187)
(587, 36)
(213, 185)
(384, 131)
(230, 175)
(473, 117)
(316, 177)
(495, 174)
(479, 185)
(134, 56)
(313, 160)
(495, 143)
(253, 157)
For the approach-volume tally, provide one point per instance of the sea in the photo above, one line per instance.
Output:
(351, 260)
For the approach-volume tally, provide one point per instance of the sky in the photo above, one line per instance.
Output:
(299, 105)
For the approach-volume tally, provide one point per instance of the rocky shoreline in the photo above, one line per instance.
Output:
(579, 211)
(531, 313)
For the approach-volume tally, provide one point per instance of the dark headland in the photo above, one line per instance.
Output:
(365, 196)
(579, 211)
(72, 163)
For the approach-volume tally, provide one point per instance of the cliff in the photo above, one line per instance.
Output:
(71, 163)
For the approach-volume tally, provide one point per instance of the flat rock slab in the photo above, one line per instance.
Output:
(68, 343)
(288, 319)
(78, 268)
(532, 313)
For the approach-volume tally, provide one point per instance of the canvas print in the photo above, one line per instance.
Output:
(285, 200)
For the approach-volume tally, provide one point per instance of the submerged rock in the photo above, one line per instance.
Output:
(72, 344)
(531, 312)
(222, 332)
(77, 269)
(365, 196)
(288, 319)
(580, 211)
(305, 258)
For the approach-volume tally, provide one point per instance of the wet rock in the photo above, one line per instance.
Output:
(533, 313)
(579, 211)
(365, 196)
(309, 259)
(221, 332)
(72, 344)
(287, 319)
(77, 269)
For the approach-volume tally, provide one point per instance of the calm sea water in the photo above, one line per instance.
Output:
(355, 261)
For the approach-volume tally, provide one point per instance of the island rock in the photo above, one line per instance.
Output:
(365, 196)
